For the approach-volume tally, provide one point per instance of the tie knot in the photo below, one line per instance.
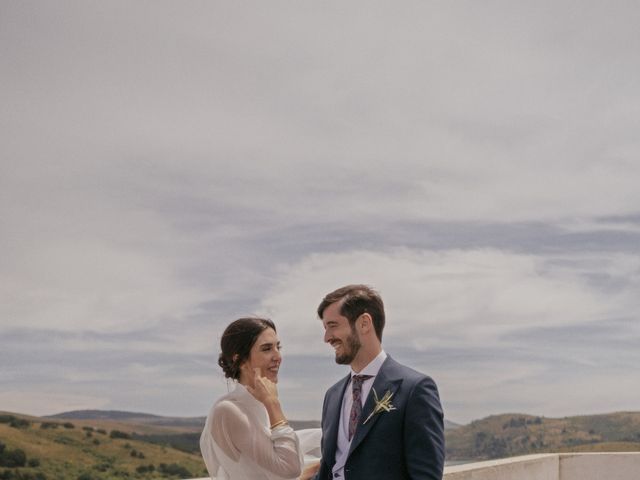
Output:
(358, 379)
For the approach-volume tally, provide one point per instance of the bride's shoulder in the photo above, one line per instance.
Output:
(229, 410)
(226, 406)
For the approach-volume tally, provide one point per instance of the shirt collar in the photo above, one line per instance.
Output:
(373, 366)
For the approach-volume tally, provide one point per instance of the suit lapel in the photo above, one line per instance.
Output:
(382, 383)
(332, 415)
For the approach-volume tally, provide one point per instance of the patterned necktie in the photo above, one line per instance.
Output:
(356, 407)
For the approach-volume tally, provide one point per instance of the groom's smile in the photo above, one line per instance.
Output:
(340, 334)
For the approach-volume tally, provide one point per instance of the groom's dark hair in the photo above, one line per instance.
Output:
(356, 300)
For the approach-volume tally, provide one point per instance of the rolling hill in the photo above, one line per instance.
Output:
(33, 448)
(518, 434)
(101, 445)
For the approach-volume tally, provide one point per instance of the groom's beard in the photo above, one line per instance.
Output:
(352, 346)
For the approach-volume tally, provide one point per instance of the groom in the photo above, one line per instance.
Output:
(384, 420)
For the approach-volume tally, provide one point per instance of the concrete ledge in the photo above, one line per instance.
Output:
(528, 467)
(605, 466)
(553, 466)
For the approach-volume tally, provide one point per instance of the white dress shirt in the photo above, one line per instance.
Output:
(343, 443)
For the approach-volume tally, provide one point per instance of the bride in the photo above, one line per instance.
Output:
(246, 435)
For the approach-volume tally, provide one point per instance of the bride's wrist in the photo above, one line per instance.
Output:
(271, 402)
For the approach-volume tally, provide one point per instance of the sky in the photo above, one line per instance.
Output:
(167, 167)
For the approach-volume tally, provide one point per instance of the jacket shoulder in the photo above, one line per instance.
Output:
(408, 374)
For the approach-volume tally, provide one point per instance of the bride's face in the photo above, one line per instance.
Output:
(265, 355)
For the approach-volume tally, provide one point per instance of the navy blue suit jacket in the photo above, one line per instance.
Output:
(405, 443)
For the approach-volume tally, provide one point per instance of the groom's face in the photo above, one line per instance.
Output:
(340, 334)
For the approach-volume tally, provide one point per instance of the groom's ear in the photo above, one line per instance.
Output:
(366, 323)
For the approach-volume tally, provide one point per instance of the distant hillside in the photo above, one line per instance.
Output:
(518, 434)
(102, 415)
(46, 449)
(188, 424)
(449, 425)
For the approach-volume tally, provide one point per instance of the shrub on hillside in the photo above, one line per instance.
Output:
(45, 425)
(174, 469)
(13, 458)
(101, 431)
(20, 423)
(6, 418)
(33, 463)
(68, 425)
(146, 468)
(119, 434)
(102, 467)
(17, 475)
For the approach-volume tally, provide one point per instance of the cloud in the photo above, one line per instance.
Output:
(167, 170)
(478, 320)
(457, 297)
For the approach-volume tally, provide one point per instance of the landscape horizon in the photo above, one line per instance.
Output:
(104, 444)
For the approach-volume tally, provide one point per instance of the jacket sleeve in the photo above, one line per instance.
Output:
(424, 432)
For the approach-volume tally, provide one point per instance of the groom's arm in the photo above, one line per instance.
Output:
(424, 432)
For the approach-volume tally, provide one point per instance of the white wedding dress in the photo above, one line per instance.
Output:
(237, 443)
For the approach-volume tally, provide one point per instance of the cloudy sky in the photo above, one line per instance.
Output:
(166, 167)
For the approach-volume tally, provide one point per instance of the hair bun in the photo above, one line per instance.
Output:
(227, 368)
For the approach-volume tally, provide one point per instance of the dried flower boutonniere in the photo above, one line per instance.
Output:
(382, 404)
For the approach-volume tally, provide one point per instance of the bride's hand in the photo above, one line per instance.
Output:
(263, 389)
(310, 470)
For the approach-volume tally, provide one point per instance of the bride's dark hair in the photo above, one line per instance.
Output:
(236, 343)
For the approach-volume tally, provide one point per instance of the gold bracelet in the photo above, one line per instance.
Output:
(279, 424)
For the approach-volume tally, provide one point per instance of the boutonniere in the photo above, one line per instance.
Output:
(382, 404)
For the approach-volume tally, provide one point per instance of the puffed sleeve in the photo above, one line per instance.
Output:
(276, 451)
(207, 450)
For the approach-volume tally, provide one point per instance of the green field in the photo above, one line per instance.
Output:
(86, 450)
